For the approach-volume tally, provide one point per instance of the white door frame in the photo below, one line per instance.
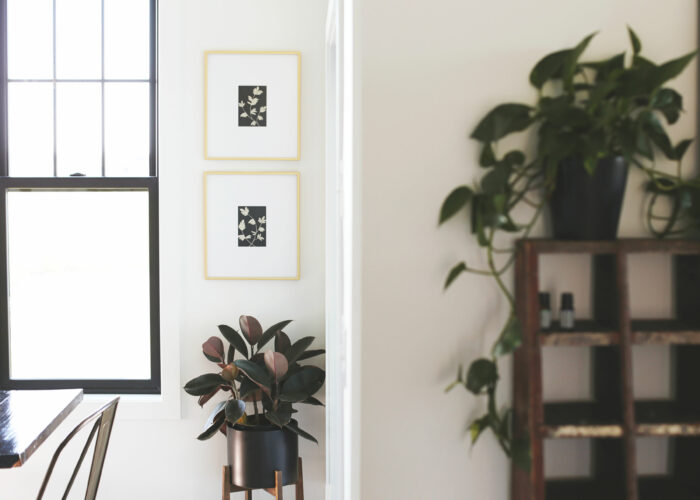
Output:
(342, 259)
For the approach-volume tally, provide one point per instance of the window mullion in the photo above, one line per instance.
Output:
(4, 158)
(102, 83)
(55, 135)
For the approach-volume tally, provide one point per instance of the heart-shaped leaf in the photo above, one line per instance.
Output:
(294, 427)
(251, 329)
(292, 354)
(213, 349)
(282, 342)
(234, 339)
(235, 408)
(254, 372)
(204, 384)
(454, 202)
(214, 422)
(501, 121)
(271, 332)
(302, 384)
(276, 364)
(482, 373)
(511, 338)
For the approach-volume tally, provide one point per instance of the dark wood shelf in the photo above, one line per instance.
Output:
(613, 420)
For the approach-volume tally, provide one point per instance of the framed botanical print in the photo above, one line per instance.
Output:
(252, 105)
(251, 225)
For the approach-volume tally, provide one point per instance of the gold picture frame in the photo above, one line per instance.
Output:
(208, 53)
(207, 274)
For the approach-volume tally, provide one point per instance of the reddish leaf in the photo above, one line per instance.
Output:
(213, 349)
(282, 342)
(206, 397)
(276, 364)
(251, 328)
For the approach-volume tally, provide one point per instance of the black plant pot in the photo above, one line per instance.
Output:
(255, 453)
(587, 207)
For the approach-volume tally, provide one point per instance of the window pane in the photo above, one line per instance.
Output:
(30, 39)
(127, 39)
(78, 39)
(79, 128)
(30, 124)
(126, 129)
(79, 284)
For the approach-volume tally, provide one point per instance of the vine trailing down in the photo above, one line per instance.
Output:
(585, 110)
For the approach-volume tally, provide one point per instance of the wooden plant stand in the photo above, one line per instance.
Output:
(228, 487)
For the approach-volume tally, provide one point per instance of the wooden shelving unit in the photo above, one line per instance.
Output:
(613, 419)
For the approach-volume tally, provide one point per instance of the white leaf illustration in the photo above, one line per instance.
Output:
(253, 111)
(247, 237)
(262, 220)
(257, 91)
(251, 222)
(241, 104)
(263, 109)
(252, 100)
(244, 115)
(241, 226)
(262, 229)
(260, 237)
(244, 211)
(241, 237)
(261, 117)
(253, 124)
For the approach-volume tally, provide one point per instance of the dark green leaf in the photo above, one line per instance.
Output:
(454, 202)
(607, 69)
(454, 273)
(214, 422)
(271, 332)
(482, 374)
(514, 157)
(496, 181)
(681, 148)
(511, 338)
(254, 372)
(204, 384)
(549, 67)
(282, 342)
(311, 353)
(298, 348)
(478, 426)
(235, 408)
(312, 401)
(248, 389)
(213, 349)
(235, 339)
(571, 62)
(501, 121)
(230, 354)
(251, 329)
(302, 384)
(634, 39)
(281, 416)
(671, 69)
(294, 427)
(669, 102)
(520, 453)
(487, 158)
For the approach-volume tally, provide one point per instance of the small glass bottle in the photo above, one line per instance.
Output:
(566, 314)
(545, 311)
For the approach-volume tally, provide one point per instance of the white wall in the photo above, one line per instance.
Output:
(161, 458)
(429, 72)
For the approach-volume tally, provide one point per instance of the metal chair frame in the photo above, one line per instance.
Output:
(104, 420)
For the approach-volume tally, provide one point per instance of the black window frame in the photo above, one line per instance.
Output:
(149, 183)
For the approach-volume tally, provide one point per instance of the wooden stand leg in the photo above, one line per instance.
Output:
(299, 488)
(226, 486)
(278, 485)
(248, 494)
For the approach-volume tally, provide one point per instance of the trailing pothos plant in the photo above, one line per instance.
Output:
(587, 110)
(270, 381)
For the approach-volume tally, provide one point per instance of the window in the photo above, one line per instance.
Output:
(79, 191)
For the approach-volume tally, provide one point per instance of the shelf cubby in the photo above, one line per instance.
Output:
(613, 419)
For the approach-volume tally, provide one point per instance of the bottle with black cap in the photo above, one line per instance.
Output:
(545, 311)
(566, 313)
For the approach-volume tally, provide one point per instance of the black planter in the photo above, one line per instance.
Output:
(255, 453)
(587, 207)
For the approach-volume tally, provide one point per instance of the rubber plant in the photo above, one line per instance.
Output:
(270, 382)
(584, 109)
